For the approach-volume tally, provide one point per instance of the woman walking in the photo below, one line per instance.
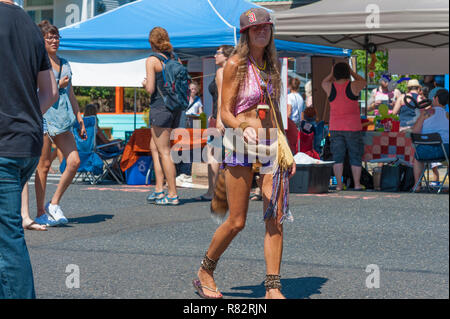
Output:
(162, 120)
(251, 78)
(58, 122)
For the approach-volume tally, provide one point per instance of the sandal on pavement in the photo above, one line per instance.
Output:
(153, 196)
(199, 287)
(166, 200)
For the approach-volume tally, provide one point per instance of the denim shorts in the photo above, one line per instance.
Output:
(430, 152)
(351, 141)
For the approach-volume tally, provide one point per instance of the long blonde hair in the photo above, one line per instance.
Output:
(270, 55)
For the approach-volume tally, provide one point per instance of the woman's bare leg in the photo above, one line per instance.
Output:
(42, 170)
(273, 239)
(159, 174)
(66, 143)
(161, 137)
(238, 181)
(27, 222)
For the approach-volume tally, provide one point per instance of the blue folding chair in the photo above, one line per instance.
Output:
(91, 165)
(96, 162)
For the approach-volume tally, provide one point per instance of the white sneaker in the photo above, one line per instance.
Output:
(56, 213)
(46, 220)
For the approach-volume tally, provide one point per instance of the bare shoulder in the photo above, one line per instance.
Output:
(152, 60)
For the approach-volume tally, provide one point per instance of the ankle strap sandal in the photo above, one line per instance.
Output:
(272, 282)
(209, 264)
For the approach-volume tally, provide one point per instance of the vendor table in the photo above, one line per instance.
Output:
(387, 145)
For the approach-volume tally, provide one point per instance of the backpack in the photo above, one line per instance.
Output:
(175, 91)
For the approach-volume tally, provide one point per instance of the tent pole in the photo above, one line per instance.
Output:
(134, 109)
(366, 49)
(367, 84)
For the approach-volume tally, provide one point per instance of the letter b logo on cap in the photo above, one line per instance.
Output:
(251, 17)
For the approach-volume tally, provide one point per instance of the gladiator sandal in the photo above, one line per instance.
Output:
(209, 264)
(272, 282)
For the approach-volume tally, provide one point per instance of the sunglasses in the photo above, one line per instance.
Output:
(218, 52)
(55, 38)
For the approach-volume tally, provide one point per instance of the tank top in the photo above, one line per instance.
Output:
(407, 115)
(437, 123)
(249, 92)
(344, 108)
(212, 88)
(156, 99)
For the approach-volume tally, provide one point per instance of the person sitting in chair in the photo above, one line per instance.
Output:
(431, 120)
(100, 138)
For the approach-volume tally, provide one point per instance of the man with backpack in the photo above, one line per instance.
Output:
(168, 83)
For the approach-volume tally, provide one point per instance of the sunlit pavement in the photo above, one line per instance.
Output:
(341, 245)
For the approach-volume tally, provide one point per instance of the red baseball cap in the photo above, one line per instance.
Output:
(254, 16)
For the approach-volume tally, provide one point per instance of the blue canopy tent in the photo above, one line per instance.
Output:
(110, 49)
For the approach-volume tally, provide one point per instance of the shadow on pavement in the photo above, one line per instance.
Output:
(293, 288)
(90, 219)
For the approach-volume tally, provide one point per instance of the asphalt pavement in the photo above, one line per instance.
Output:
(354, 245)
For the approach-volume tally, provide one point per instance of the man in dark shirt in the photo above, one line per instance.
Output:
(24, 68)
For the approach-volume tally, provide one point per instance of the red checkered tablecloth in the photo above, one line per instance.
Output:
(379, 145)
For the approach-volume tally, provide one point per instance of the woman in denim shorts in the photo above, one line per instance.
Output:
(345, 120)
(57, 122)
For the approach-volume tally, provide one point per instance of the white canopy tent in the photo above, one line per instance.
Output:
(412, 31)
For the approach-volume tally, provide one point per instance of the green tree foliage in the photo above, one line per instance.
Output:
(381, 66)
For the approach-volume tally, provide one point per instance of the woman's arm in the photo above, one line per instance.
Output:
(149, 81)
(328, 81)
(417, 128)
(219, 80)
(358, 84)
(398, 105)
(229, 92)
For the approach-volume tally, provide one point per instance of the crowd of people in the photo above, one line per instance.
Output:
(39, 109)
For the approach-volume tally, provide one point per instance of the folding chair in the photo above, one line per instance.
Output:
(111, 159)
(429, 139)
(96, 162)
(91, 164)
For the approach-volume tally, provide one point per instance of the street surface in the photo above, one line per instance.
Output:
(122, 247)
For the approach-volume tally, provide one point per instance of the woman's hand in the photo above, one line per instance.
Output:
(292, 170)
(64, 82)
(82, 131)
(220, 126)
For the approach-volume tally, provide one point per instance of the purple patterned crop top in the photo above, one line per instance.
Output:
(249, 92)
